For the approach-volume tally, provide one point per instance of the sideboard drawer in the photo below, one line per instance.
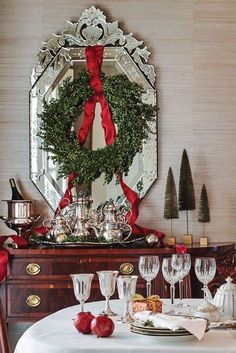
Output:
(39, 267)
(38, 300)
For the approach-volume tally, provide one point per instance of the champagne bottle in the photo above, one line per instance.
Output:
(15, 193)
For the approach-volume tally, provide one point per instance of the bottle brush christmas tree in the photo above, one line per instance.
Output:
(186, 189)
(170, 206)
(203, 211)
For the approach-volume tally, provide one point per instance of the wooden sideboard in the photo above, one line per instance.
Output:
(38, 281)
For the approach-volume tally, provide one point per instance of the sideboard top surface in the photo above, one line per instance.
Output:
(192, 249)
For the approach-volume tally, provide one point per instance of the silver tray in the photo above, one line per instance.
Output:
(47, 243)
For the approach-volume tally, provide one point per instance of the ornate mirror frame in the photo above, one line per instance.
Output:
(56, 56)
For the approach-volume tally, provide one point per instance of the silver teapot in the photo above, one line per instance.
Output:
(112, 224)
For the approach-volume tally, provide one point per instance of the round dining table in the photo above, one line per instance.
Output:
(56, 334)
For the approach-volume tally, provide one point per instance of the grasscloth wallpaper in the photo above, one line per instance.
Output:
(193, 46)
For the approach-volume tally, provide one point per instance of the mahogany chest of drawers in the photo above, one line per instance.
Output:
(38, 280)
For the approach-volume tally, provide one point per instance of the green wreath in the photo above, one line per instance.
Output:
(129, 113)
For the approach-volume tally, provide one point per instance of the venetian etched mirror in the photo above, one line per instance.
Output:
(63, 56)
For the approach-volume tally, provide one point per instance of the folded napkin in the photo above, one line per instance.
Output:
(196, 326)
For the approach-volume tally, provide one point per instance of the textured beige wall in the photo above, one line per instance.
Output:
(193, 46)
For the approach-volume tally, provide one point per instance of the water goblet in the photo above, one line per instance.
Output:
(126, 289)
(148, 268)
(82, 287)
(181, 262)
(205, 269)
(107, 282)
(172, 276)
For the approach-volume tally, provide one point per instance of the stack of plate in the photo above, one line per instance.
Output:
(137, 327)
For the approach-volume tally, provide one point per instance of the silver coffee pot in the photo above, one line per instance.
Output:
(78, 216)
(113, 225)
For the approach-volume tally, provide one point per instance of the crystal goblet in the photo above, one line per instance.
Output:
(126, 289)
(181, 262)
(82, 287)
(205, 269)
(107, 282)
(148, 268)
(171, 275)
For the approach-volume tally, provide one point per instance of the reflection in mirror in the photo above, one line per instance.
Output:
(62, 57)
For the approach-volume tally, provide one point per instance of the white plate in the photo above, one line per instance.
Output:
(171, 335)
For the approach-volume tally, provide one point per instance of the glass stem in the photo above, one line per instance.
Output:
(126, 312)
(148, 287)
(205, 288)
(107, 305)
(172, 296)
(82, 306)
(181, 290)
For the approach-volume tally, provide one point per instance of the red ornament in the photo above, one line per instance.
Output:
(83, 321)
(102, 326)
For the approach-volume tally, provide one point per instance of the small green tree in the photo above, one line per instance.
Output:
(170, 206)
(203, 211)
(186, 189)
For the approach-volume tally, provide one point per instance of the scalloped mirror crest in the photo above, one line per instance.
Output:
(92, 29)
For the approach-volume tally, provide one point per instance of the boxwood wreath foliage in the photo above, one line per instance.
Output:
(129, 113)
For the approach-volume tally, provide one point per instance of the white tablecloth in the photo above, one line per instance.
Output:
(57, 334)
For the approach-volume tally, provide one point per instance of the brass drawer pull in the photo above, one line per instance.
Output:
(33, 300)
(126, 268)
(33, 269)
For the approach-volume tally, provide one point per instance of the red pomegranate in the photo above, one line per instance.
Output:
(102, 326)
(83, 321)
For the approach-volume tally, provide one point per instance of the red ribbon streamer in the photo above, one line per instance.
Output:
(181, 249)
(94, 57)
(67, 197)
(21, 243)
(134, 200)
(3, 264)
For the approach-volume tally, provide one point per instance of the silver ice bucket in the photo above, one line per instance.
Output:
(21, 215)
(20, 208)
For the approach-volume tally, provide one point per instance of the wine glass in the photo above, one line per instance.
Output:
(148, 268)
(172, 276)
(126, 286)
(205, 269)
(107, 282)
(182, 263)
(82, 286)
